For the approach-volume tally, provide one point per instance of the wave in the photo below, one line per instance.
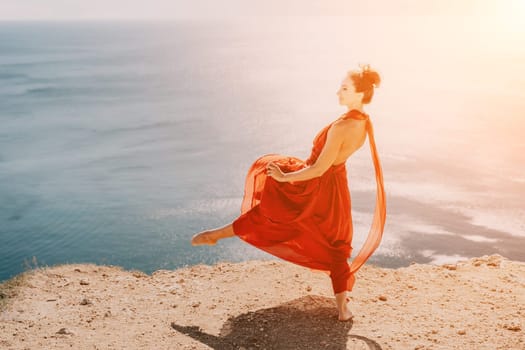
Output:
(7, 76)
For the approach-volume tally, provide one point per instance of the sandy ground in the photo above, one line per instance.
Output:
(475, 304)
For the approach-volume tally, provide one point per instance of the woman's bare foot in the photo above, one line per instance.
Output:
(342, 306)
(204, 237)
(211, 237)
(346, 314)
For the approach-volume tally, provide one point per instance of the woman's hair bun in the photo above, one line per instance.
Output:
(365, 80)
(370, 76)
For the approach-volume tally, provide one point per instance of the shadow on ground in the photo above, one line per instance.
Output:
(306, 323)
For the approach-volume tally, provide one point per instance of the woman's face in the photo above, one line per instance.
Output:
(346, 92)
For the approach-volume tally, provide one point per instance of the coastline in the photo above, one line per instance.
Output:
(475, 304)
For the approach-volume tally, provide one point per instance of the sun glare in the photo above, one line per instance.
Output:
(514, 16)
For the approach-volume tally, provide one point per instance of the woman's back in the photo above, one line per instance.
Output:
(351, 143)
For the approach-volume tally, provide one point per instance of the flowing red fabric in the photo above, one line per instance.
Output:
(309, 222)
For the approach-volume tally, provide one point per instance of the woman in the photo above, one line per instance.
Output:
(300, 211)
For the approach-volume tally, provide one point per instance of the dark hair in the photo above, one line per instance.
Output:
(365, 81)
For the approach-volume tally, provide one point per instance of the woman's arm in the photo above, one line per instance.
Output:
(334, 140)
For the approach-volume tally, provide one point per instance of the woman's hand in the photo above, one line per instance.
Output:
(274, 171)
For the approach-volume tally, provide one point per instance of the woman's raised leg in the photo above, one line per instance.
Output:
(210, 237)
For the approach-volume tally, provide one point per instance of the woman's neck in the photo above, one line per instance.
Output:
(356, 105)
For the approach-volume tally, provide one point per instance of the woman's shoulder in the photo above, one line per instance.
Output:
(349, 123)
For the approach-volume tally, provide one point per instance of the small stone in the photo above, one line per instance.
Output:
(63, 331)
(197, 304)
(462, 332)
(85, 301)
(308, 288)
(76, 270)
(450, 267)
(382, 298)
(515, 327)
(84, 283)
(107, 314)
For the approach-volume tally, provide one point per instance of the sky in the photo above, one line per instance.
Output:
(202, 9)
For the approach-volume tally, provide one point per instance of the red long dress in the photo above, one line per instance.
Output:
(309, 222)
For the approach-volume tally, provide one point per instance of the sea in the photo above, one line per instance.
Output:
(119, 140)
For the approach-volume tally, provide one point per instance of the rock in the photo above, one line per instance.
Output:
(84, 283)
(382, 298)
(139, 274)
(462, 332)
(63, 331)
(494, 261)
(513, 326)
(450, 267)
(85, 301)
(308, 288)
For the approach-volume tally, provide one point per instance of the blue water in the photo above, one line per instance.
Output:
(119, 141)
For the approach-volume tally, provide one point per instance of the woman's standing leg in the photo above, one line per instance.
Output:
(342, 307)
(340, 275)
